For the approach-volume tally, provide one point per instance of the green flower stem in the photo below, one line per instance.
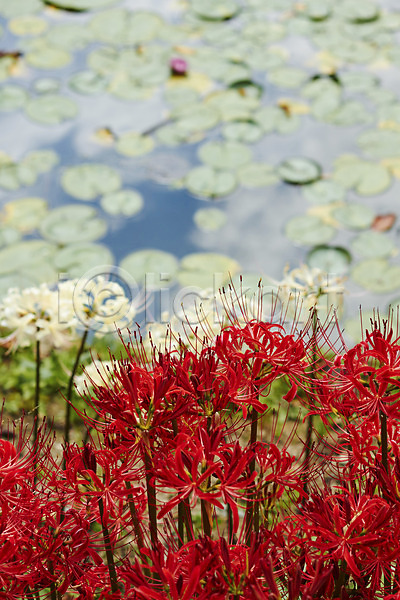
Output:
(135, 518)
(387, 580)
(151, 492)
(250, 515)
(109, 555)
(37, 394)
(70, 387)
(310, 418)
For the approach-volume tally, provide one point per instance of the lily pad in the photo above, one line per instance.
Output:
(215, 10)
(210, 183)
(72, 223)
(206, 270)
(354, 216)
(51, 109)
(309, 230)
(254, 175)
(69, 36)
(274, 118)
(125, 28)
(89, 180)
(88, 82)
(9, 235)
(367, 178)
(41, 160)
(27, 25)
(123, 202)
(380, 143)
(233, 105)
(18, 8)
(134, 144)
(324, 191)
(42, 55)
(209, 219)
(243, 131)
(299, 171)
(153, 268)
(25, 214)
(195, 117)
(331, 259)
(358, 12)
(12, 97)
(46, 85)
(29, 257)
(79, 5)
(373, 244)
(77, 259)
(224, 155)
(287, 77)
(377, 275)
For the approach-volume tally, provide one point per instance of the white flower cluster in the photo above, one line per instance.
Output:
(55, 316)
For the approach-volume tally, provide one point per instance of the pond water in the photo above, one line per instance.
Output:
(279, 145)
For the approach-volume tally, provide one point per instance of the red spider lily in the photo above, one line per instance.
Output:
(279, 471)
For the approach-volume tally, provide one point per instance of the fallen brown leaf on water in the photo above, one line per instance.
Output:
(383, 222)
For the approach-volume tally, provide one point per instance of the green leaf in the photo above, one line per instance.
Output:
(215, 10)
(331, 259)
(89, 180)
(254, 175)
(72, 223)
(25, 214)
(125, 28)
(77, 259)
(354, 216)
(224, 155)
(79, 5)
(206, 270)
(324, 191)
(377, 275)
(368, 179)
(287, 77)
(134, 144)
(210, 219)
(299, 171)
(380, 143)
(12, 97)
(154, 268)
(123, 202)
(309, 230)
(373, 244)
(242, 131)
(51, 109)
(208, 182)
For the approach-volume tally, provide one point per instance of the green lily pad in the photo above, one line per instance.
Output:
(232, 105)
(18, 8)
(206, 270)
(51, 109)
(27, 25)
(46, 85)
(287, 77)
(78, 259)
(72, 223)
(123, 202)
(25, 214)
(89, 180)
(14, 281)
(31, 257)
(243, 131)
(14, 175)
(41, 160)
(79, 5)
(69, 36)
(377, 275)
(125, 28)
(88, 82)
(373, 244)
(42, 55)
(154, 268)
(12, 97)
(173, 135)
(134, 144)
(318, 10)
(350, 113)
(263, 32)
(274, 118)
(331, 259)
(254, 175)
(359, 81)
(9, 235)
(209, 219)
(180, 97)
(354, 216)
(210, 183)
(195, 117)
(299, 171)
(358, 12)
(368, 179)
(309, 230)
(380, 143)
(224, 155)
(215, 10)
(324, 191)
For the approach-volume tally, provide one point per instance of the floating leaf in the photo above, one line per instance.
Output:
(18, 8)
(123, 202)
(27, 25)
(324, 191)
(287, 77)
(309, 231)
(79, 5)
(25, 214)
(377, 275)
(77, 259)
(73, 223)
(365, 177)
(31, 257)
(41, 160)
(69, 36)
(153, 268)
(206, 270)
(210, 219)
(359, 81)
(254, 175)
(9, 235)
(88, 83)
(12, 97)
(384, 222)
(89, 180)
(275, 118)
(42, 55)
(331, 259)
(14, 281)
(134, 144)
(243, 131)
(358, 12)
(380, 143)
(125, 28)
(51, 109)
(224, 155)
(350, 113)
(263, 32)
(232, 105)
(354, 216)
(195, 117)
(208, 182)
(373, 244)
(299, 171)
(215, 10)
(46, 85)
